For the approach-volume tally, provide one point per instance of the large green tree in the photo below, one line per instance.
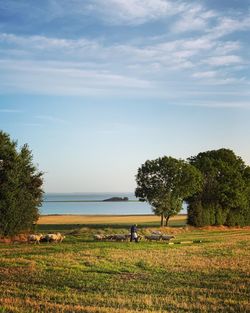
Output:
(165, 183)
(224, 199)
(20, 188)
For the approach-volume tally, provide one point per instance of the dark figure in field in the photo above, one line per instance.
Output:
(133, 233)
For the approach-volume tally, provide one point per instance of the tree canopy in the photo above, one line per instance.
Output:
(225, 196)
(20, 188)
(165, 183)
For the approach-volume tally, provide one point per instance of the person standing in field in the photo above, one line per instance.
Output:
(133, 233)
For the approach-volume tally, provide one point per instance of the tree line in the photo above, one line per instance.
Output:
(215, 185)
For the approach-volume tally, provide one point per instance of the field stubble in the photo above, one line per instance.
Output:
(81, 275)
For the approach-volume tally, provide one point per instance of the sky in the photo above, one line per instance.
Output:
(98, 87)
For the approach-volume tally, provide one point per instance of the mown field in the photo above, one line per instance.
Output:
(106, 219)
(80, 275)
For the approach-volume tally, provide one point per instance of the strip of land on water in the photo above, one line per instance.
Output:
(105, 219)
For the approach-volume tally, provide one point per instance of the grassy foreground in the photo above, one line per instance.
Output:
(81, 275)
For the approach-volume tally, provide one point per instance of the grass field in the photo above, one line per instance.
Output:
(81, 275)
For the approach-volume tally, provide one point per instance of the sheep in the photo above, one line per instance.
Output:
(43, 239)
(35, 238)
(153, 237)
(102, 237)
(112, 237)
(167, 237)
(158, 237)
(99, 237)
(129, 235)
(120, 237)
(156, 232)
(58, 237)
(108, 237)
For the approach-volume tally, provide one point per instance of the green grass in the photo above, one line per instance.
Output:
(81, 275)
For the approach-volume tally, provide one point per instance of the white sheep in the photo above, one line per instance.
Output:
(35, 238)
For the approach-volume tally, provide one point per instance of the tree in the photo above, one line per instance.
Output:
(20, 188)
(224, 199)
(165, 183)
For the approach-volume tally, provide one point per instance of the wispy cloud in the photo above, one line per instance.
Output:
(56, 77)
(227, 47)
(95, 51)
(112, 12)
(194, 45)
(133, 12)
(224, 60)
(111, 69)
(228, 25)
(193, 18)
(208, 74)
(46, 44)
(221, 104)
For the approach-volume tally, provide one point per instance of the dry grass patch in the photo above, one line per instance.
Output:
(103, 219)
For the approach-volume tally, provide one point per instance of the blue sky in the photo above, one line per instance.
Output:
(97, 87)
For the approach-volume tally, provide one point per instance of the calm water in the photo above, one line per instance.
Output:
(118, 208)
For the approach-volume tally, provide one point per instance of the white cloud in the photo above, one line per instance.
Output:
(43, 64)
(59, 78)
(228, 25)
(227, 47)
(223, 104)
(224, 60)
(87, 52)
(208, 74)
(46, 43)
(197, 44)
(218, 78)
(133, 12)
(84, 66)
(193, 18)
(189, 24)
(114, 12)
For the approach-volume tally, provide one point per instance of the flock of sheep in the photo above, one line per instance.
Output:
(37, 238)
(58, 237)
(155, 236)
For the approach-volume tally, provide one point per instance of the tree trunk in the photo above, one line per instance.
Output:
(162, 224)
(167, 218)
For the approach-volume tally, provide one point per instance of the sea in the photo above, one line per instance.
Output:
(92, 204)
